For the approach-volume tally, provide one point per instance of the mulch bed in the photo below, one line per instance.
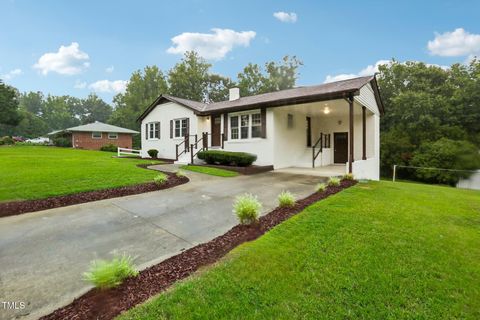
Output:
(242, 170)
(18, 207)
(107, 304)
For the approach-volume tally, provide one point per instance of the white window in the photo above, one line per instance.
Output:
(246, 126)
(180, 128)
(112, 135)
(154, 130)
(96, 135)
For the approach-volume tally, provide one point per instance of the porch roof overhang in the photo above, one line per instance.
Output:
(328, 91)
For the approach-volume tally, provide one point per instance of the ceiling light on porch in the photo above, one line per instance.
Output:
(326, 110)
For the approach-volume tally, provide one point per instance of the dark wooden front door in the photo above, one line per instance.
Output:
(340, 147)
(216, 122)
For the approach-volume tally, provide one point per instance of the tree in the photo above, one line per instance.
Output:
(445, 153)
(277, 76)
(218, 88)
(9, 114)
(142, 89)
(190, 77)
(59, 112)
(31, 126)
(94, 109)
(32, 102)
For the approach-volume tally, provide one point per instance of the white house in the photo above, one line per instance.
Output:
(333, 125)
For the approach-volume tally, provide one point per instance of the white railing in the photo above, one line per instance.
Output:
(132, 152)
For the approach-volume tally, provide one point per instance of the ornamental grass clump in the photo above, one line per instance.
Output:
(160, 179)
(180, 174)
(333, 182)
(247, 208)
(286, 199)
(321, 187)
(105, 274)
(348, 176)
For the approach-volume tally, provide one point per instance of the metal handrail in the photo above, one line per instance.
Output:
(315, 155)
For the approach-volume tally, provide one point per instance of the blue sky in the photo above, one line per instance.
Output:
(105, 41)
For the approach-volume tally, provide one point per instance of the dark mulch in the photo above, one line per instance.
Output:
(98, 304)
(18, 207)
(243, 170)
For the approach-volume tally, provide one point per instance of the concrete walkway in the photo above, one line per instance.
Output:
(43, 254)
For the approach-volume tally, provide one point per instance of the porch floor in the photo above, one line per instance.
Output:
(324, 171)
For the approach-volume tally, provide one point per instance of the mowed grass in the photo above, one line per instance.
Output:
(34, 172)
(211, 171)
(379, 250)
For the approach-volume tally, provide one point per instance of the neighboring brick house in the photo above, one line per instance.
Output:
(96, 135)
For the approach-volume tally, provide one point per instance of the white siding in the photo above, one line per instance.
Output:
(164, 113)
(367, 98)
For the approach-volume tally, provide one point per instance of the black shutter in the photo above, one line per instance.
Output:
(146, 131)
(171, 129)
(158, 130)
(263, 116)
(225, 126)
(188, 127)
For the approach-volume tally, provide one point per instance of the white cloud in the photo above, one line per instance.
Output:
(12, 74)
(68, 60)
(211, 45)
(370, 70)
(116, 86)
(286, 17)
(456, 43)
(80, 84)
(109, 69)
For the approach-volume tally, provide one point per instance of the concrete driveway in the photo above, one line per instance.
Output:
(43, 254)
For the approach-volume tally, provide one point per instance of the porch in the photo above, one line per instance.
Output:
(322, 171)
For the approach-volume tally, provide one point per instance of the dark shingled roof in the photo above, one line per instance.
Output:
(326, 91)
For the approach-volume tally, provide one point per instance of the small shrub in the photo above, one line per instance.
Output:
(108, 274)
(227, 158)
(348, 176)
(247, 208)
(321, 187)
(63, 142)
(6, 140)
(109, 147)
(180, 174)
(153, 153)
(286, 199)
(160, 179)
(333, 182)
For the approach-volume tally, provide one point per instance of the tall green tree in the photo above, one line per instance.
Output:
(274, 77)
(32, 102)
(9, 114)
(142, 89)
(59, 112)
(93, 109)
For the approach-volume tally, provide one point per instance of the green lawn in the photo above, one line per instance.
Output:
(211, 171)
(33, 172)
(379, 250)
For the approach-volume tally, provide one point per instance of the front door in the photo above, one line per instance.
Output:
(340, 147)
(216, 124)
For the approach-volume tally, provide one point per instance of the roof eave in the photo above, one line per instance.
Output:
(378, 97)
(156, 102)
(285, 102)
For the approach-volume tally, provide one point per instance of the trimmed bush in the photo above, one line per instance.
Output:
(109, 147)
(321, 187)
(63, 142)
(247, 208)
(108, 274)
(6, 140)
(286, 199)
(348, 176)
(333, 182)
(160, 179)
(227, 158)
(153, 153)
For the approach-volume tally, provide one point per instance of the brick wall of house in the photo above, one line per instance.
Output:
(84, 140)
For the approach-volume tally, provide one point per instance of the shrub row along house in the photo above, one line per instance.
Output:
(333, 124)
(95, 135)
